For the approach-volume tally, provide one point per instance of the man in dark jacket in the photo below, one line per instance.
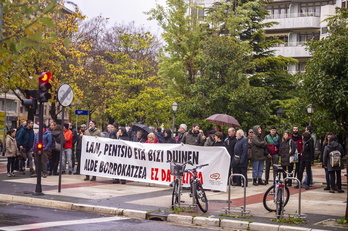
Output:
(241, 151)
(230, 142)
(193, 137)
(334, 170)
(25, 140)
(306, 159)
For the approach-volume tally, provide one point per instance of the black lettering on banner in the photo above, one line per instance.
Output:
(93, 147)
(91, 165)
(183, 156)
(116, 169)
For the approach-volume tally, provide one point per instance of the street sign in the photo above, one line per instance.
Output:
(81, 112)
(65, 95)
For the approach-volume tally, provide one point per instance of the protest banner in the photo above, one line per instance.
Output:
(148, 162)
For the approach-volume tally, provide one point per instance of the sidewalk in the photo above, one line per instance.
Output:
(139, 200)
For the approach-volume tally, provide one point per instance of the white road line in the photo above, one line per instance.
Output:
(60, 223)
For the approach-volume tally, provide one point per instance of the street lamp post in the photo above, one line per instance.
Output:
(310, 112)
(279, 113)
(174, 108)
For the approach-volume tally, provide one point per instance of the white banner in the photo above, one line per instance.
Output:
(148, 162)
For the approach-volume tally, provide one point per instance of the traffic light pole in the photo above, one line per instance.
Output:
(38, 189)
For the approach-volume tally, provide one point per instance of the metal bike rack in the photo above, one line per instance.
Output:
(228, 209)
(298, 215)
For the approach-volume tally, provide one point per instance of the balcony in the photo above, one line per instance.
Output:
(294, 50)
(293, 20)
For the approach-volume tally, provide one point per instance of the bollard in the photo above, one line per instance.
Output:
(299, 195)
(229, 192)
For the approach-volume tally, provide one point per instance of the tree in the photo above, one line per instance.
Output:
(244, 20)
(36, 38)
(139, 94)
(326, 78)
(212, 62)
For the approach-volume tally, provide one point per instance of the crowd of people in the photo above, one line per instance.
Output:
(293, 151)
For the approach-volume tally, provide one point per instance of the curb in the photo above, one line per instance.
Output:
(138, 214)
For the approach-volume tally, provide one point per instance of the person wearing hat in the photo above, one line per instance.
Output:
(80, 133)
(250, 135)
(211, 138)
(182, 130)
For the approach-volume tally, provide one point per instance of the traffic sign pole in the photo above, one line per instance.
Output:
(65, 98)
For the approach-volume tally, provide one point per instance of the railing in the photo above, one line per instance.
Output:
(293, 15)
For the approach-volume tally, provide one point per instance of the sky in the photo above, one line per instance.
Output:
(120, 11)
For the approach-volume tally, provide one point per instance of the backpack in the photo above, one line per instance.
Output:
(335, 158)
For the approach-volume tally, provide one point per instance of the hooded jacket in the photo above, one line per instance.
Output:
(258, 145)
(25, 138)
(168, 139)
(332, 146)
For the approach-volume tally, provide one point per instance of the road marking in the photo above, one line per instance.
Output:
(60, 223)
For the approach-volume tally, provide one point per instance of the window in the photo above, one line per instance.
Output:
(311, 9)
(306, 36)
(324, 30)
(301, 67)
(11, 106)
(278, 11)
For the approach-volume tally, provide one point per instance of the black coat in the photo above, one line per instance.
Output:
(241, 149)
(286, 149)
(332, 146)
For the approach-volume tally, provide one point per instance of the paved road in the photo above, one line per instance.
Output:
(24, 217)
(317, 204)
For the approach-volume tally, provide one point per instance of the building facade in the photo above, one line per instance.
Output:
(297, 22)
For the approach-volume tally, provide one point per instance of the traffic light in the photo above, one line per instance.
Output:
(31, 100)
(39, 147)
(44, 87)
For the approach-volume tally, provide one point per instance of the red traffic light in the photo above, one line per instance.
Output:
(39, 146)
(45, 76)
(44, 86)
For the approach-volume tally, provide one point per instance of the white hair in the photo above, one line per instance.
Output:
(240, 132)
(231, 129)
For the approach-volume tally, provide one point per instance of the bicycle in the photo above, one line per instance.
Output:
(196, 188)
(277, 196)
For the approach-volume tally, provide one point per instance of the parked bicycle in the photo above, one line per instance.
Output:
(277, 196)
(196, 188)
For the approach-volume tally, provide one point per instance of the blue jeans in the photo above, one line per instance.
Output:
(258, 166)
(67, 156)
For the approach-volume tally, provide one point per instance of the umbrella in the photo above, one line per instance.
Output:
(223, 119)
(143, 127)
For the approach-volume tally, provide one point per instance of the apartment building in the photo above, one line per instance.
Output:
(298, 21)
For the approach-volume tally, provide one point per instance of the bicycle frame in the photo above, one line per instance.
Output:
(196, 189)
(279, 186)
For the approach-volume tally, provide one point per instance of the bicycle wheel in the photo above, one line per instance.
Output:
(268, 198)
(175, 194)
(201, 198)
(279, 203)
